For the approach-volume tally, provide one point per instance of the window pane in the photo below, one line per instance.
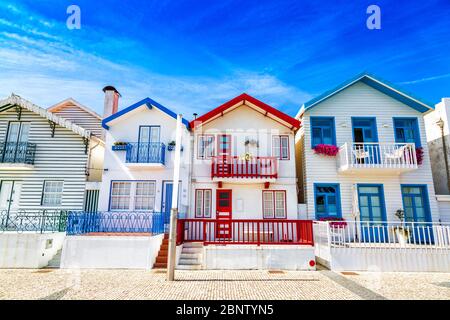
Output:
(199, 203)
(52, 193)
(144, 195)
(280, 204)
(120, 195)
(268, 208)
(207, 203)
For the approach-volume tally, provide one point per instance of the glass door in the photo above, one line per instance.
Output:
(417, 210)
(372, 213)
(365, 138)
(16, 142)
(149, 144)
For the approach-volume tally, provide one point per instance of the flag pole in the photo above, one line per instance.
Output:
(171, 261)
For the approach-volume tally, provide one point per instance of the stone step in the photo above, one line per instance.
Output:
(189, 267)
(161, 259)
(193, 245)
(188, 261)
(160, 265)
(55, 262)
(195, 256)
(192, 250)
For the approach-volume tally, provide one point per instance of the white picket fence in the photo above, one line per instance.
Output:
(383, 246)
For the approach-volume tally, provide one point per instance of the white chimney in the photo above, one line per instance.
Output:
(111, 105)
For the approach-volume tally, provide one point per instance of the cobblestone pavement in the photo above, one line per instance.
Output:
(139, 284)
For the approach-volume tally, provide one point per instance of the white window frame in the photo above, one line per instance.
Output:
(205, 151)
(280, 143)
(133, 196)
(52, 194)
(203, 203)
(272, 203)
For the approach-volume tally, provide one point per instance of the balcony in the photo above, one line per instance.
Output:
(17, 155)
(236, 169)
(145, 155)
(377, 158)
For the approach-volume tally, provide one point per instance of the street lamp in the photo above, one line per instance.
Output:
(441, 125)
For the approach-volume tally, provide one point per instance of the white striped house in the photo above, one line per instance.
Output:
(57, 175)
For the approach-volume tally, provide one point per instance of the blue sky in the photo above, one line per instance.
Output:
(194, 55)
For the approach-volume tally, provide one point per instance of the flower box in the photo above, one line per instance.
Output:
(326, 150)
(171, 147)
(119, 147)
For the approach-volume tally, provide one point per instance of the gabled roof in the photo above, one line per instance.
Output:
(249, 101)
(70, 101)
(149, 103)
(15, 100)
(374, 82)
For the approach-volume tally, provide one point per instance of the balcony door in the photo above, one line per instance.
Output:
(224, 159)
(365, 137)
(148, 148)
(16, 139)
(223, 214)
(417, 210)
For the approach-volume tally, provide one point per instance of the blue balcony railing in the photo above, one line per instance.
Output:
(151, 152)
(17, 152)
(116, 222)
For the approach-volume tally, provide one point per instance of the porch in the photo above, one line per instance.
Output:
(383, 246)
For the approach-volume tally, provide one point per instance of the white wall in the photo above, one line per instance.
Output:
(360, 100)
(126, 129)
(444, 207)
(117, 252)
(241, 123)
(28, 250)
(238, 257)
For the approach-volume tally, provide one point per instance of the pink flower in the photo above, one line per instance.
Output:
(326, 149)
(335, 221)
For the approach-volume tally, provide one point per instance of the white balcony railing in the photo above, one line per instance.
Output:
(386, 156)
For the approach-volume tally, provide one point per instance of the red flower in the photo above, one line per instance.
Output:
(419, 155)
(326, 149)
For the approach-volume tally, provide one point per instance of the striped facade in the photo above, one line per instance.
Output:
(58, 158)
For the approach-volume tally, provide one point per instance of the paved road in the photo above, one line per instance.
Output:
(137, 284)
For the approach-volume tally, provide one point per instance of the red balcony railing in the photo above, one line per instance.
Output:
(255, 232)
(236, 167)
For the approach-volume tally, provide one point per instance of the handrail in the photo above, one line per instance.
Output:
(237, 167)
(145, 152)
(17, 152)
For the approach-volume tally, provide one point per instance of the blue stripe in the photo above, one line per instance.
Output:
(150, 103)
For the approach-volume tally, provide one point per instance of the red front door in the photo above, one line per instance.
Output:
(224, 155)
(223, 214)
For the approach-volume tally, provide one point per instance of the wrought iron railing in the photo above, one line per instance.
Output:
(80, 222)
(17, 152)
(152, 152)
(33, 221)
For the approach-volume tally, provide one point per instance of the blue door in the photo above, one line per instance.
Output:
(167, 201)
(372, 213)
(365, 138)
(417, 209)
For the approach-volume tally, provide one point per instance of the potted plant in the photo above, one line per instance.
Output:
(401, 232)
(171, 145)
(326, 150)
(119, 145)
(247, 156)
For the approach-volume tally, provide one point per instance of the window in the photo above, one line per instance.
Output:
(205, 146)
(120, 196)
(52, 192)
(133, 195)
(280, 147)
(203, 203)
(149, 134)
(274, 204)
(407, 130)
(144, 196)
(327, 200)
(322, 131)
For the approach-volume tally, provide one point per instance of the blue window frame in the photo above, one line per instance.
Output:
(327, 200)
(416, 203)
(322, 131)
(371, 202)
(407, 130)
(149, 134)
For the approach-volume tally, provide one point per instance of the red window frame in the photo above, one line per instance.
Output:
(202, 216)
(213, 143)
(273, 201)
(279, 136)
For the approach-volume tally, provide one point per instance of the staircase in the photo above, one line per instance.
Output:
(191, 256)
(56, 260)
(161, 259)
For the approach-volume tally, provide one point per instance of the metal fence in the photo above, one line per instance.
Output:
(33, 221)
(17, 152)
(150, 152)
(116, 222)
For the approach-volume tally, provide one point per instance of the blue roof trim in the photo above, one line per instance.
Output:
(380, 85)
(150, 103)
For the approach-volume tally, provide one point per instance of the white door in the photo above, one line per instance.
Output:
(9, 196)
